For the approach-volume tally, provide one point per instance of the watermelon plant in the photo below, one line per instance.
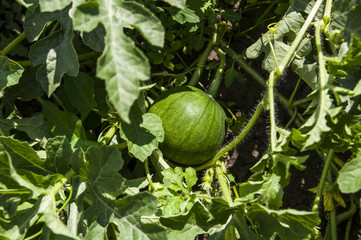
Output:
(125, 119)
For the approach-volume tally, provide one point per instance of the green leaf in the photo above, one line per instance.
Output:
(10, 72)
(188, 225)
(190, 177)
(35, 127)
(287, 224)
(104, 164)
(348, 179)
(29, 4)
(238, 224)
(143, 133)
(307, 71)
(177, 3)
(80, 93)
(347, 63)
(283, 169)
(318, 123)
(56, 228)
(221, 210)
(58, 155)
(287, 30)
(184, 15)
(174, 176)
(95, 38)
(126, 215)
(53, 5)
(27, 89)
(55, 52)
(269, 188)
(24, 150)
(122, 65)
(18, 226)
(232, 74)
(345, 16)
(63, 123)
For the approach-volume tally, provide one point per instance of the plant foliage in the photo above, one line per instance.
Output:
(76, 142)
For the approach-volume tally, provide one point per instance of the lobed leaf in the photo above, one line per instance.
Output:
(55, 52)
(286, 31)
(122, 65)
(287, 224)
(58, 155)
(142, 134)
(63, 123)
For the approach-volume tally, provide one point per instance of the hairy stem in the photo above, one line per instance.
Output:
(223, 181)
(291, 51)
(237, 140)
(272, 79)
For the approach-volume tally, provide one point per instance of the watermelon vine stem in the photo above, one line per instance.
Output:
(202, 60)
(333, 222)
(149, 177)
(213, 89)
(223, 180)
(237, 140)
(13, 44)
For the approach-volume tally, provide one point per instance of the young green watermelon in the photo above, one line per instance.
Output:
(194, 125)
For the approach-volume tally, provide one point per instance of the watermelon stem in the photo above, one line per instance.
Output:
(237, 140)
(202, 60)
(213, 89)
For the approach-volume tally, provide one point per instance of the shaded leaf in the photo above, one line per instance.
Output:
(63, 123)
(80, 93)
(318, 124)
(10, 72)
(95, 38)
(104, 164)
(35, 127)
(232, 74)
(58, 154)
(238, 224)
(143, 133)
(55, 52)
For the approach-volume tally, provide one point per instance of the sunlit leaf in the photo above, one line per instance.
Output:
(122, 65)
(348, 179)
(53, 5)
